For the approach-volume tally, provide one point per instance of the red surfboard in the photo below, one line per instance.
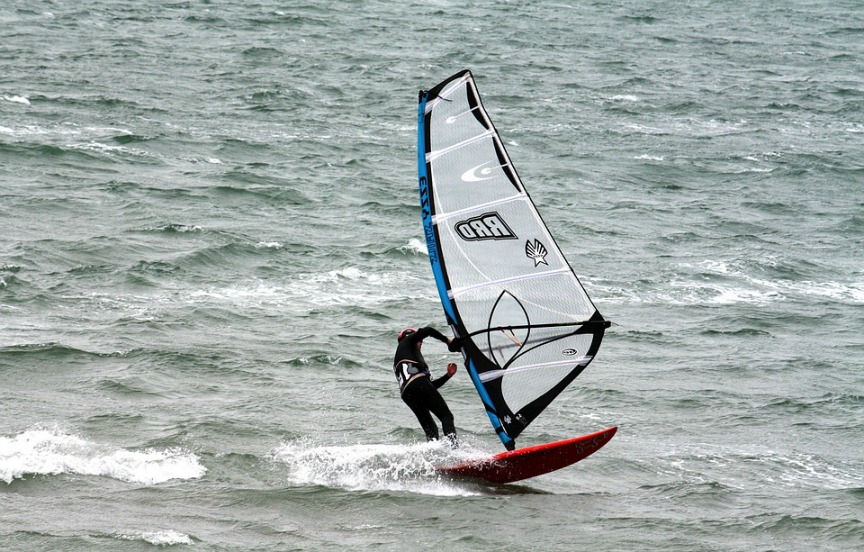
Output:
(515, 465)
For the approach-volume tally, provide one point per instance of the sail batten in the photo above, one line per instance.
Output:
(526, 325)
(494, 374)
(496, 284)
(433, 155)
(439, 218)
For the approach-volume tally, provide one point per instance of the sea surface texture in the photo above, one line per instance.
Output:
(210, 237)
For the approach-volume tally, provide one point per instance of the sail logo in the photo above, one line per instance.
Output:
(536, 251)
(488, 226)
(479, 173)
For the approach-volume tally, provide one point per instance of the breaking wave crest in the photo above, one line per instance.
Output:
(53, 452)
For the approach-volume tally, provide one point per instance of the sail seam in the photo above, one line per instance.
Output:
(444, 216)
(433, 155)
(495, 374)
(458, 291)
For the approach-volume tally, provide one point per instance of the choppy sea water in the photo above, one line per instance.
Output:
(209, 237)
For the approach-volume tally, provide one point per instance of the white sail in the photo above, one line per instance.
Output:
(528, 327)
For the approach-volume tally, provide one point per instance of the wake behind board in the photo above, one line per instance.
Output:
(515, 465)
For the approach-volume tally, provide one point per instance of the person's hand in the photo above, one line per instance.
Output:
(453, 345)
(451, 368)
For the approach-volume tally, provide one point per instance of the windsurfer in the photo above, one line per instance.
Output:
(418, 389)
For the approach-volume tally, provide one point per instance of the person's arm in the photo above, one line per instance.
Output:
(429, 331)
(451, 369)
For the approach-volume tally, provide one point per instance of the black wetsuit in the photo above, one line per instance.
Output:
(419, 390)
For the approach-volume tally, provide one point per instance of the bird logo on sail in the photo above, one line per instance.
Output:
(536, 251)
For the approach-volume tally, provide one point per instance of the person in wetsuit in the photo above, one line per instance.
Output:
(418, 389)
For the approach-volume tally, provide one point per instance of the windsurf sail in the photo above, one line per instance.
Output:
(527, 327)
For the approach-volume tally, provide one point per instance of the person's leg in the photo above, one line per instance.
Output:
(414, 397)
(435, 403)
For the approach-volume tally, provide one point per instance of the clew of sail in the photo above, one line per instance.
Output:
(526, 324)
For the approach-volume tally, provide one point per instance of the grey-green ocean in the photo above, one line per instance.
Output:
(210, 237)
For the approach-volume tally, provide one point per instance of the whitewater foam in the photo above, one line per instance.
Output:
(160, 538)
(53, 452)
(17, 99)
(347, 286)
(374, 467)
(727, 283)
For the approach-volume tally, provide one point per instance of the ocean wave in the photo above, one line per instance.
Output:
(159, 538)
(131, 138)
(53, 350)
(841, 530)
(415, 247)
(54, 452)
(16, 99)
(842, 403)
(725, 283)
(63, 131)
(154, 267)
(742, 468)
(8, 280)
(244, 183)
(111, 151)
(172, 228)
(90, 151)
(323, 358)
(350, 286)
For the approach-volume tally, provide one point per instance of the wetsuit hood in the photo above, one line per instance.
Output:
(406, 332)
